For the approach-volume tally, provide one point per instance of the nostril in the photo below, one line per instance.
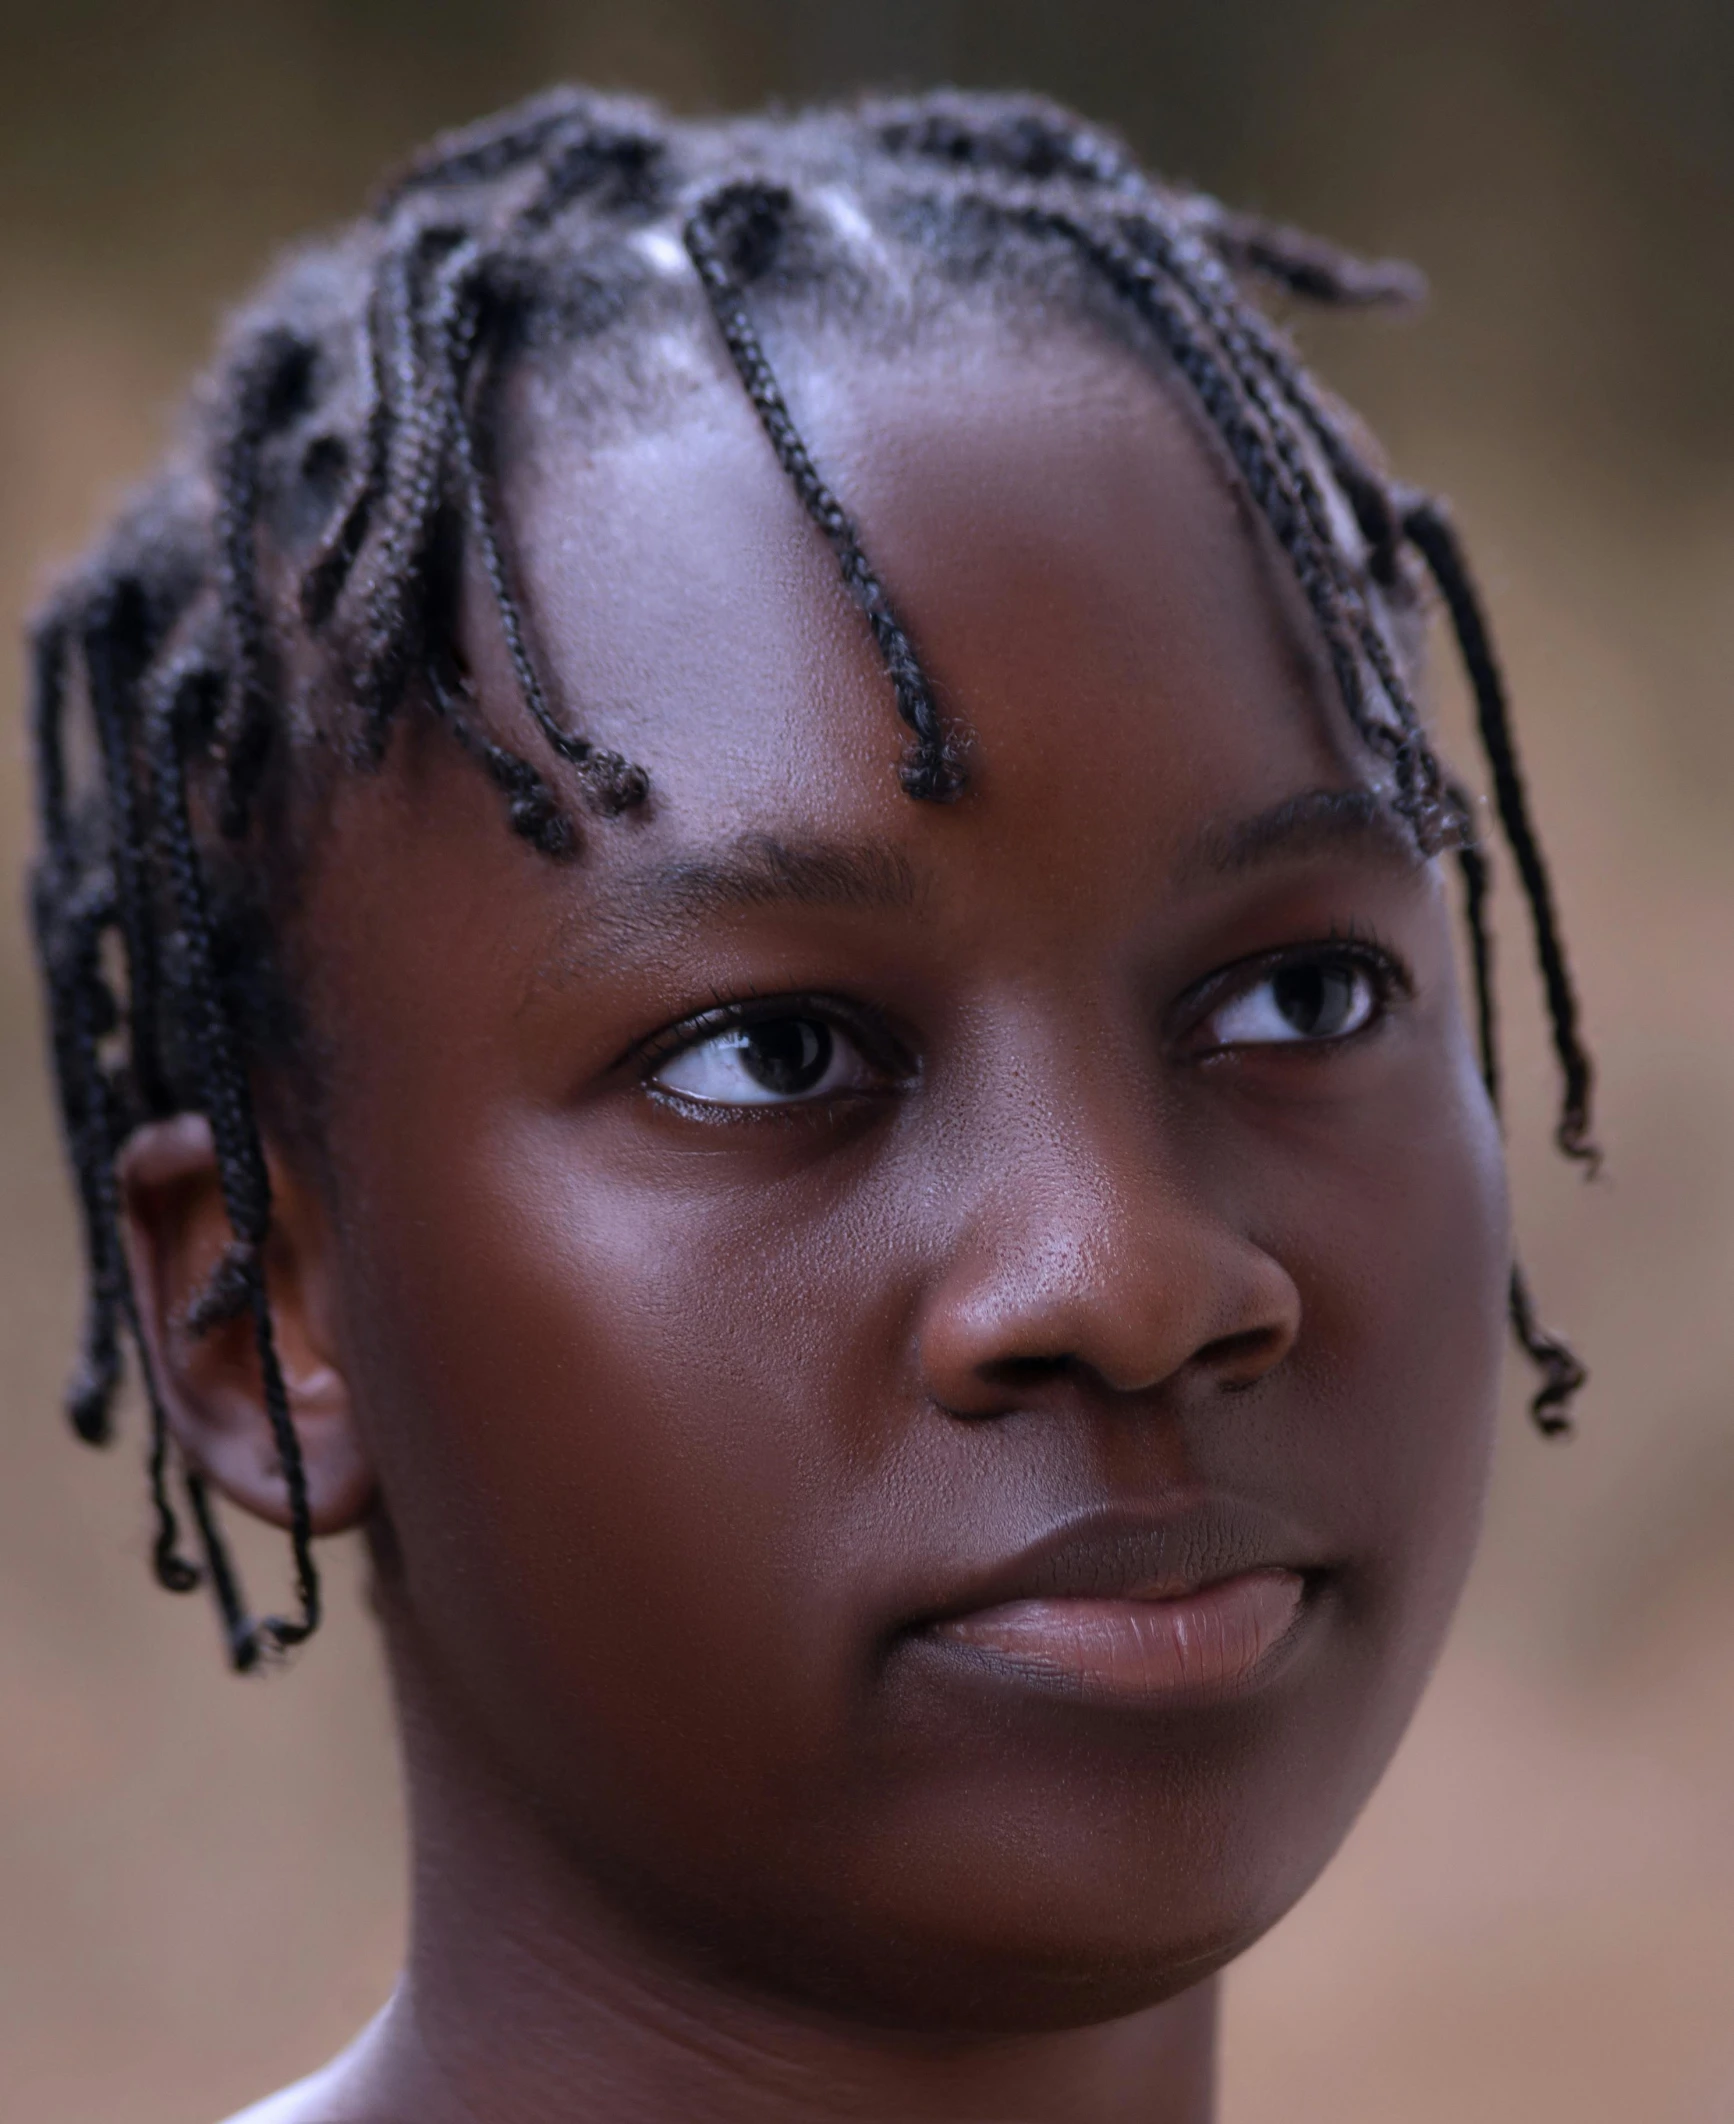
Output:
(1027, 1371)
(1241, 1360)
(1006, 1383)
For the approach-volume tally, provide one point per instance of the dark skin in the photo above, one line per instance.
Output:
(683, 1421)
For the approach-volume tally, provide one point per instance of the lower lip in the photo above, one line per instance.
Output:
(1137, 1651)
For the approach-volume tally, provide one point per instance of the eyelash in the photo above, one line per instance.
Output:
(733, 1014)
(1390, 979)
(1388, 976)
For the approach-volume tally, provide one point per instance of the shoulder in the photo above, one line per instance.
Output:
(304, 2103)
(337, 2094)
(344, 2092)
(317, 2100)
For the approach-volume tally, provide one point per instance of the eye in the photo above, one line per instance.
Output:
(1324, 997)
(772, 1060)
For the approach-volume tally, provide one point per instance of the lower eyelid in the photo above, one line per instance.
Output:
(719, 1113)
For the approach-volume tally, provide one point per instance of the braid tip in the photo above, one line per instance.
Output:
(537, 819)
(614, 784)
(1549, 1409)
(1573, 1140)
(259, 1644)
(1563, 1375)
(88, 1414)
(933, 775)
(172, 1570)
(1385, 284)
(243, 1642)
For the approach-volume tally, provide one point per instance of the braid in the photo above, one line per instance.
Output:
(430, 309)
(323, 581)
(1429, 529)
(239, 1631)
(1025, 138)
(270, 385)
(1562, 1374)
(345, 452)
(613, 783)
(478, 155)
(750, 214)
(1477, 878)
(84, 1014)
(226, 1101)
(532, 806)
(593, 155)
(70, 912)
(112, 657)
(71, 917)
(1301, 265)
(1266, 375)
(396, 601)
(1209, 369)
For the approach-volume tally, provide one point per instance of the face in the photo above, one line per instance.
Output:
(929, 1368)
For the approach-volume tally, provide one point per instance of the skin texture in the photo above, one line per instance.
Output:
(675, 1427)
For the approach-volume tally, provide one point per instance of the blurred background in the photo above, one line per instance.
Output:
(200, 1879)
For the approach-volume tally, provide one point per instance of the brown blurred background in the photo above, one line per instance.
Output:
(200, 1879)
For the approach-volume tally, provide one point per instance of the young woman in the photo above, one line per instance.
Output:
(750, 945)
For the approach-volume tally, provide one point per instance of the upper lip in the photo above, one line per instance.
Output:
(1120, 1555)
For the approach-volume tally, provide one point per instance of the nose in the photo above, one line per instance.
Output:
(1086, 1257)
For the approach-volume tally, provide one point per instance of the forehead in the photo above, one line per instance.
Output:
(1095, 602)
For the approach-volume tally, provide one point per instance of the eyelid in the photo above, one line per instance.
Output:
(1200, 1003)
(649, 1053)
(878, 1045)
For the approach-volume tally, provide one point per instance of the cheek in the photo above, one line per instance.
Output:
(1416, 1279)
(1400, 1246)
(627, 1432)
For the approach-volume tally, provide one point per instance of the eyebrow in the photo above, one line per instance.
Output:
(1317, 821)
(761, 870)
(756, 870)
(764, 870)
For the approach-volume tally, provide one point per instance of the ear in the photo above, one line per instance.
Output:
(206, 1360)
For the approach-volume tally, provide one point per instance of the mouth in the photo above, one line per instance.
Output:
(1212, 1639)
(1186, 1609)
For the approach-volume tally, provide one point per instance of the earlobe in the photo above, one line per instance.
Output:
(202, 1335)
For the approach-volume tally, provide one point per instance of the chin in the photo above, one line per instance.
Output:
(1026, 1981)
(1073, 1910)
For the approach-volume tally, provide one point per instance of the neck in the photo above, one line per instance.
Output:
(529, 1999)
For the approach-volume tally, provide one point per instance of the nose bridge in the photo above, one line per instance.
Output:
(1092, 1187)
(1083, 1236)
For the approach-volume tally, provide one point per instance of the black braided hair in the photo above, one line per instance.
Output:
(338, 468)
(742, 218)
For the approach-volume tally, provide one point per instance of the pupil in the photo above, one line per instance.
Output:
(787, 1054)
(1317, 1000)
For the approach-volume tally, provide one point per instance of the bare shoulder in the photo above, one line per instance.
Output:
(337, 2094)
(311, 2101)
